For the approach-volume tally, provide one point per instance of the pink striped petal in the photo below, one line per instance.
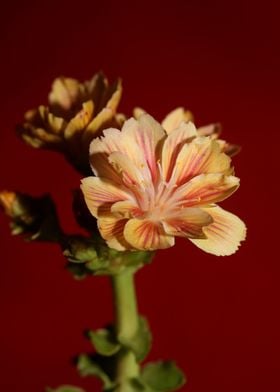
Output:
(224, 235)
(189, 222)
(202, 155)
(147, 235)
(133, 178)
(111, 229)
(148, 135)
(126, 209)
(174, 119)
(205, 189)
(100, 194)
(173, 145)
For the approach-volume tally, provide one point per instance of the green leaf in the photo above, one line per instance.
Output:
(132, 385)
(163, 376)
(142, 341)
(104, 342)
(65, 388)
(95, 366)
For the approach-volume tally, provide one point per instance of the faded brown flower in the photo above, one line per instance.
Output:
(77, 112)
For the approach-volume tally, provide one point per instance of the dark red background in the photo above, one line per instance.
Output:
(218, 317)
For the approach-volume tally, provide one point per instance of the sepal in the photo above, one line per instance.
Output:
(91, 256)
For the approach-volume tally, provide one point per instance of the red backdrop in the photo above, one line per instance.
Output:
(218, 317)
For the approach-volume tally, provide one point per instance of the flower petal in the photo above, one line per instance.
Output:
(175, 118)
(147, 134)
(189, 222)
(147, 235)
(173, 145)
(64, 93)
(133, 178)
(103, 120)
(200, 156)
(100, 194)
(126, 209)
(111, 229)
(100, 149)
(137, 112)
(205, 189)
(77, 125)
(213, 130)
(223, 235)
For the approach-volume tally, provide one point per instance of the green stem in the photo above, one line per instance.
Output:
(127, 321)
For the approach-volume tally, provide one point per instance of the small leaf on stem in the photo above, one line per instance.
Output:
(163, 376)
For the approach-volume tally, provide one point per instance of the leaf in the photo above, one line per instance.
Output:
(132, 385)
(65, 388)
(163, 376)
(104, 342)
(95, 366)
(142, 341)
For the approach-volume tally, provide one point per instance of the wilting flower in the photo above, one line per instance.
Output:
(176, 116)
(77, 112)
(34, 217)
(151, 186)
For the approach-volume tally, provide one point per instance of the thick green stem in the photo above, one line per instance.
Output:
(127, 322)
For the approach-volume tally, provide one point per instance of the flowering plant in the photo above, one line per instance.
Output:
(147, 183)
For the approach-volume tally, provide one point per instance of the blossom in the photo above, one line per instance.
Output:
(76, 113)
(151, 186)
(176, 116)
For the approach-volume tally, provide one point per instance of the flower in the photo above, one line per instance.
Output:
(151, 186)
(77, 112)
(176, 116)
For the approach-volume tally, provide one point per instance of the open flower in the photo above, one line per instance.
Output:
(176, 116)
(77, 112)
(151, 186)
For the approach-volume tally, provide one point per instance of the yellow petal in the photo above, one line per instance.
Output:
(175, 118)
(213, 130)
(80, 121)
(126, 209)
(205, 189)
(111, 229)
(114, 95)
(231, 149)
(7, 201)
(147, 235)
(200, 156)
(100, 194)
(223, 235)
(103, 120)
(137, 112)
(95, 89)
(189, 222)
(173, 145)
(65, 92)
